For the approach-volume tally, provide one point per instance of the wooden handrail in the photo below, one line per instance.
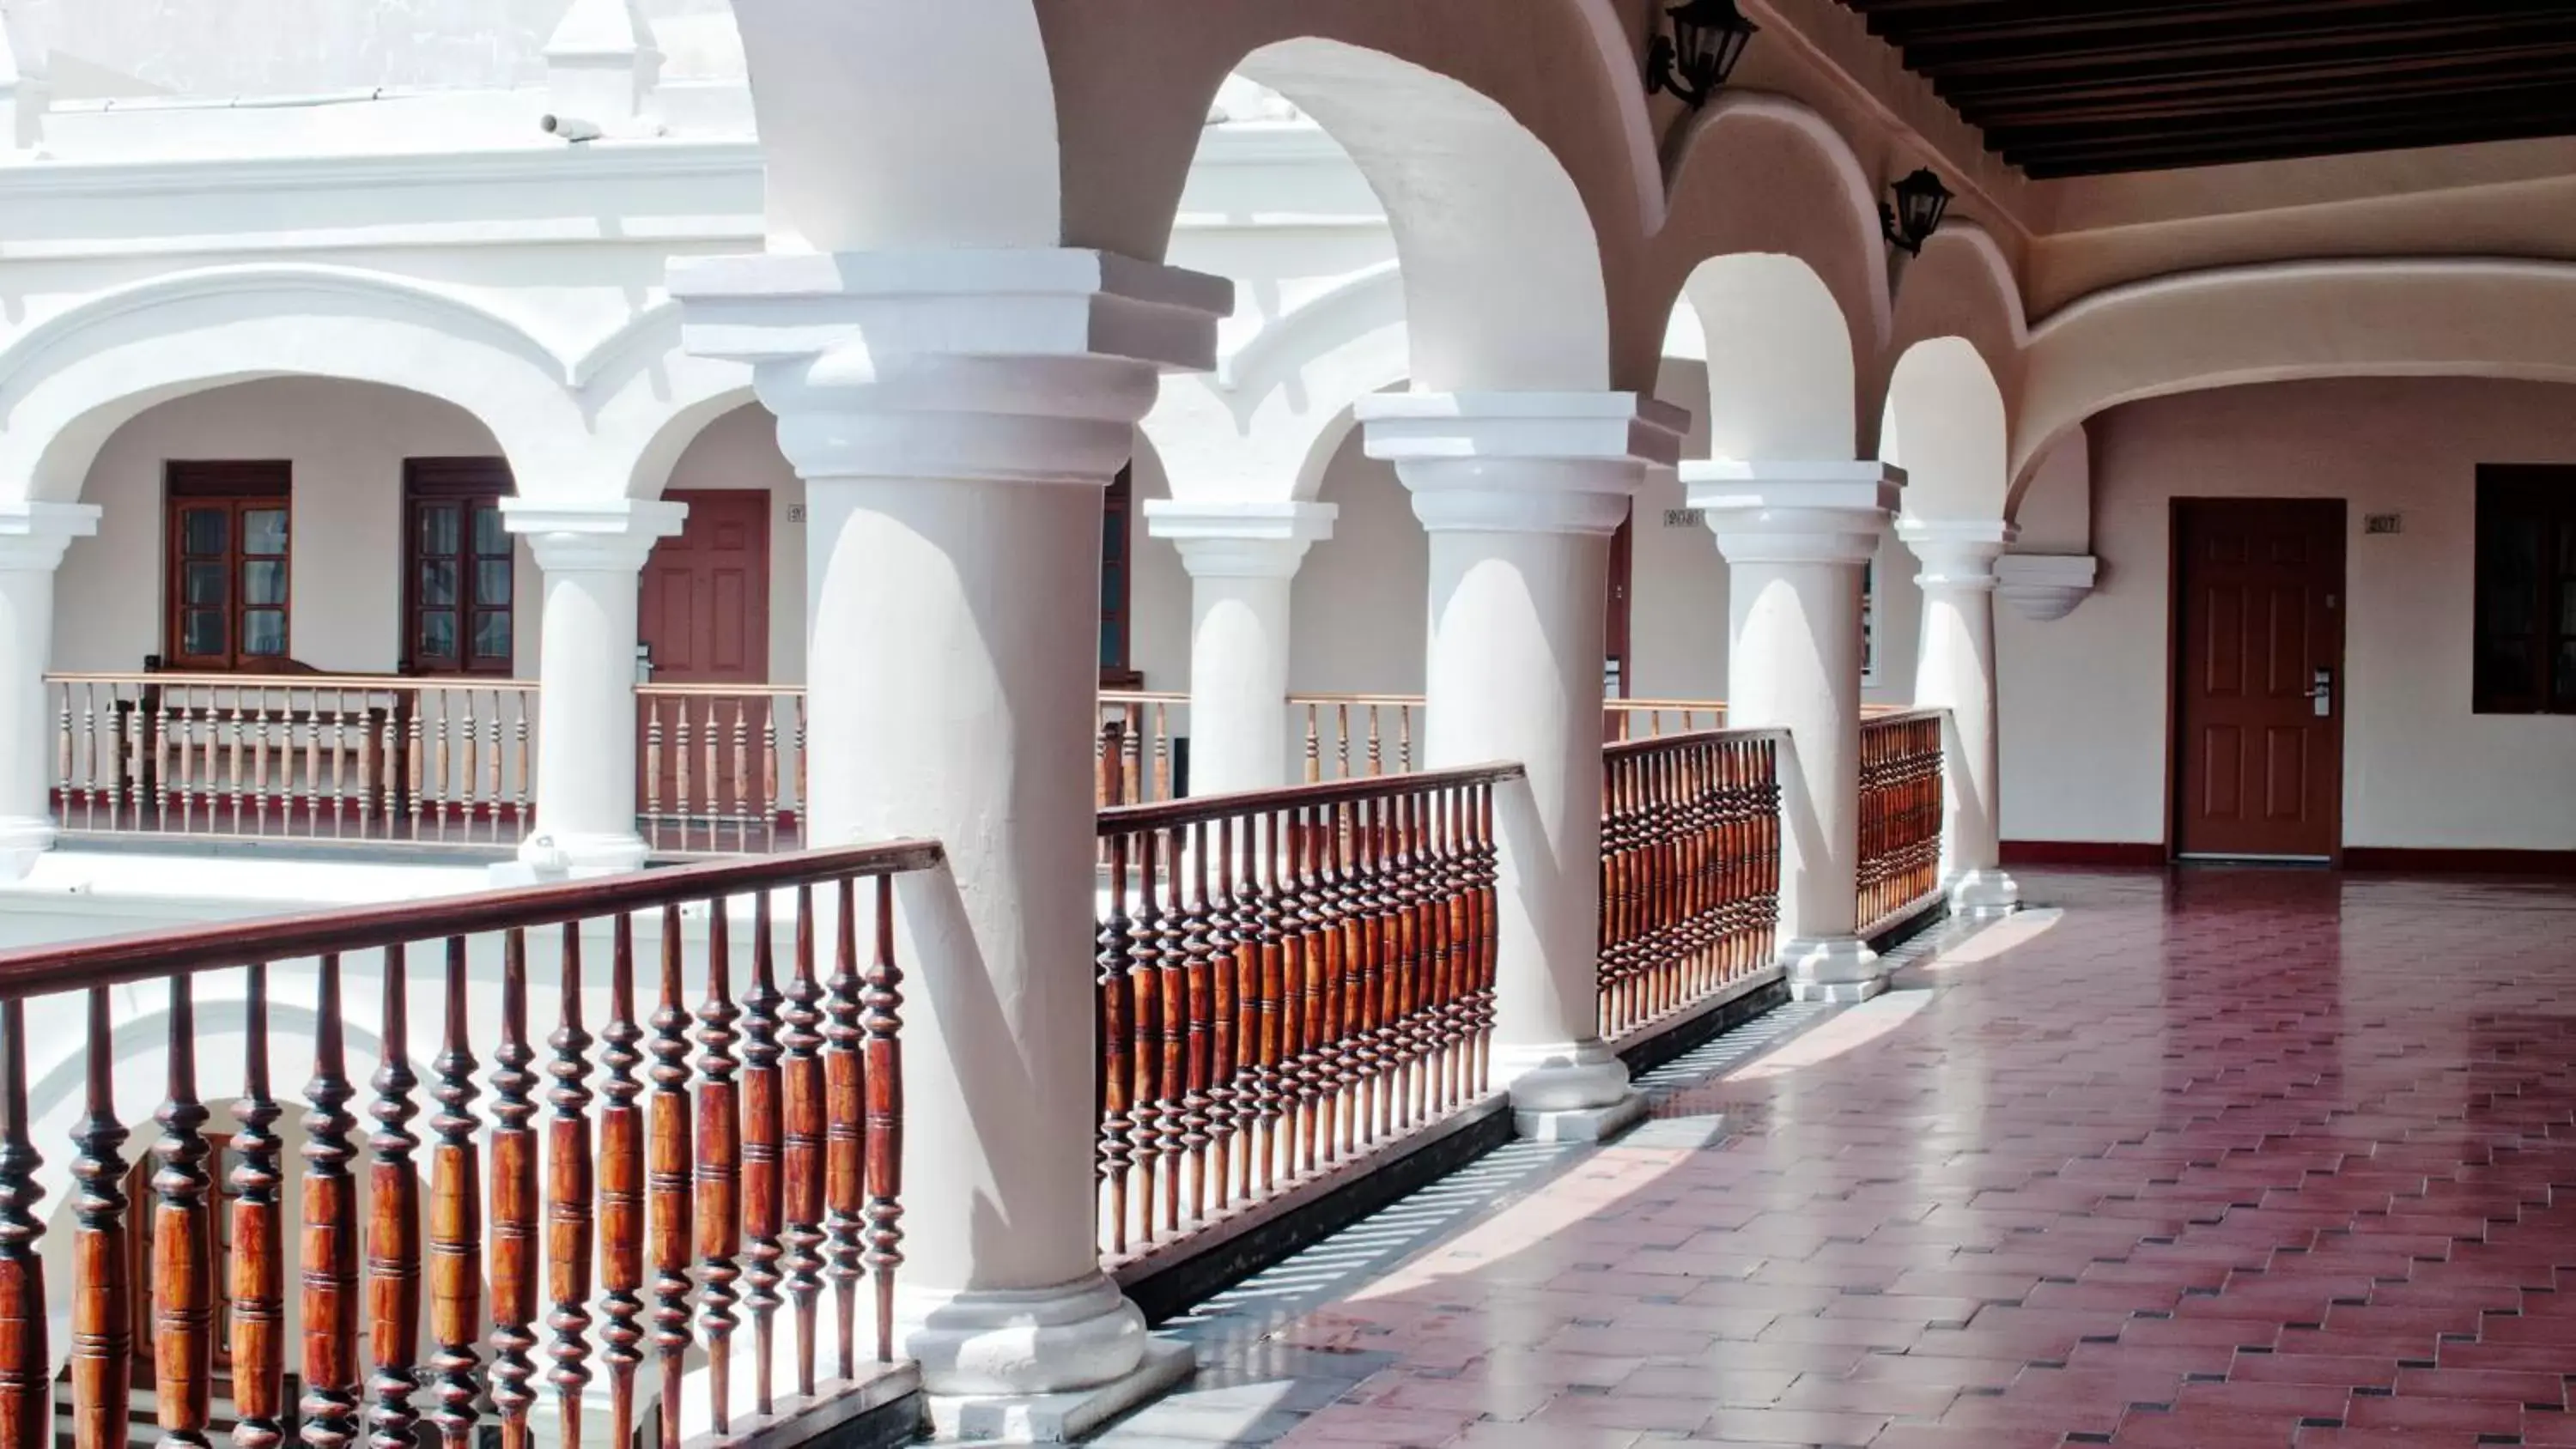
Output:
(1629, 749)
(381, 683)
(1128, 819)
(1898, 717)
(35, 970)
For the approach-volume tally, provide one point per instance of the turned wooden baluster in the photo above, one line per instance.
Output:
(845, 1119)
(1310, 1008)
(102, 1349)
(1226, 1008)
(1198, 1014)
(769, 772)
(182, 1241)
(455, 1219)
(653, 771)
(719, 1166)
(1269, 1001)
(1359, 1062)
(393, 1225)
(802, 1191)
(882, 1021)
(1172, 996)
(26, 1379)
(1115, 1031)
(621, 1186)
(258, 1246)
(330, 1257)
(568, 1182)
(1245, 931)
(763, 1127)
(666, 1178)
(1146, 1004)
(514, 1201)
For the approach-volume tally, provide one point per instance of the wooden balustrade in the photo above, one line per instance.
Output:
(1288, 980)
(790, 1148)
(723, 767)
(1138, 764)
(1649, 719)
(1359, 736)
(1900, 812)
(320, 757)
(1690, 871)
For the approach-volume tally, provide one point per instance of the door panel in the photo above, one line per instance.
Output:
(704, 620)
(2259, 584)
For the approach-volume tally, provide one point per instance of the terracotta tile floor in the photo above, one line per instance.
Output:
(2215, 1160)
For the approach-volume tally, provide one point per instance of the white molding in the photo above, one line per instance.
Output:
(2046, 587)
(1795, 510)
(1522, 462)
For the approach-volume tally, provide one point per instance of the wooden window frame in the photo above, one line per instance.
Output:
(253, 486)
(465, 482)
(2541, 497)
(1117, 640)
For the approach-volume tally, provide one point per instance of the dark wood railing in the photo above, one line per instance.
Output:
(772, 1160)
(1900, 813)
(1690, 871)
(1134, 747)
(1288, 980)
(723, 767)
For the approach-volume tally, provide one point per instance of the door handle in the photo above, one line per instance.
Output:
(2323, 693)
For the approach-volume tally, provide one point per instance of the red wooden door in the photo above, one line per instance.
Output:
(2259, 677)
(704, 621)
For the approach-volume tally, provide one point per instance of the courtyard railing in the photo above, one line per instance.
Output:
(794, 1104)
(1289, 981)
(723, 767)
(1690, 872)
(321, 757)
(1133, 747)
(1900, 813)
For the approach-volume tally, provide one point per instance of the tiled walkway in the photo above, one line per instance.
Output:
(2260, 1158)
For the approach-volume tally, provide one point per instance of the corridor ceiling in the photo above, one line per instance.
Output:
(2086, 87)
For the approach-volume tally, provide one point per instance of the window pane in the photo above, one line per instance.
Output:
(438, 529)
(201, 632)
(1110, 655)
(263, 581)
(1113, 535)
(1113, 589)
(205, 530)
(264, 531)
(492, 583)
(489, 535)
(2509, 571)
(203, 583)
(2504, 669)
(437, 636)
(492, 636)
(264, 633)
(438, 583)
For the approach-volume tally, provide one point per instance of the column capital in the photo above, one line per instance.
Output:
(1789, 512)
(1957, 553)
(601, 537)
(2046, 586)
(1014, 366)
(1244, 539)
(1522, 462)
(34, 536)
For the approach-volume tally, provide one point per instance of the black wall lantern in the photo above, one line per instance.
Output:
(1708, 39)
(1921, 201)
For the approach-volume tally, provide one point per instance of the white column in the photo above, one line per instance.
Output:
(1797, 537)
(1242, 559)
(33, 537)
(593, 558)
(956, 417)
(1955, 670)
(1520, 493)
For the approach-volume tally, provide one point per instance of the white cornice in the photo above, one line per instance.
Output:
(554, 164)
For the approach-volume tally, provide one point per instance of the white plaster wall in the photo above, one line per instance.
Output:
(740, 450)
(2085, 700)
(1677, 629)
(347, 442)
(1158, 590)
(1360, 609)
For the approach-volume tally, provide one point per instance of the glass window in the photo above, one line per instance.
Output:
(491, 636)
(460, 582)
(2525, 655)
(228, 590)
(492, 583)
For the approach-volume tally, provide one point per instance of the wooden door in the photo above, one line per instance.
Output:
(2259, 687)
(704, 623)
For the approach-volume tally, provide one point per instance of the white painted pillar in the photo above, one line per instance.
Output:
(1520, 493)
(33, 538)
(593, 558)
(1955, 670)
(956, 417)
(1797, 538)
(1242, 558)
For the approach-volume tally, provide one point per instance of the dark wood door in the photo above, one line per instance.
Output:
(2259, 688)
(704, 624)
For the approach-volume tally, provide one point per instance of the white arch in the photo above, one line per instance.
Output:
(69, 382)
(2220, 328)
(1945, 427)
(1781, 379)
(1501, 264)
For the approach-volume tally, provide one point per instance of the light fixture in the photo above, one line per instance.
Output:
(1708, 39)
(1921, 201)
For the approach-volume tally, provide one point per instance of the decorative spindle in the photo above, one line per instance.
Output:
(330, 1267)
(102, 1356)
(763, 1130)
(514, 1201)
(258, 1247)
(26, 1377)
(183, 1330)
(803, 1167)
(667, 1181)
(455, 1218)
(621, 1186)
(393, 1231)
(568, 1211)
(845, 1113)
(883, 1023)
(1116, 1027)
(719, 1181)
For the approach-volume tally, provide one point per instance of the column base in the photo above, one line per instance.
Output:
(1568, 1092)
(1021, 1344)
(1840, 970)
(1061, 1418)
(1984, 893)
(549, 857)
(22, 840)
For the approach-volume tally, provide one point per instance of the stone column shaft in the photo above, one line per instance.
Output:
(33, 540)
(1955, 670)
(1242, 558)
